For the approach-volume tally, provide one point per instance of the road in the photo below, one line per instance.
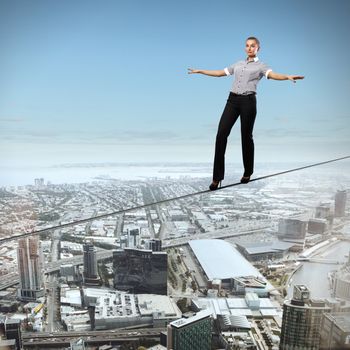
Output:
(51, 304)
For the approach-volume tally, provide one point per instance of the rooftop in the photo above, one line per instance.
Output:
(187, 321)
(219, 259)
(266, 247)
(149, 303)
(341, 319)
(236, 306)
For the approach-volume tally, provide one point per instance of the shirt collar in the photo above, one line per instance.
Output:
(256, 59)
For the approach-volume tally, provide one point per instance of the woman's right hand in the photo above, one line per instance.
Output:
(192, 71)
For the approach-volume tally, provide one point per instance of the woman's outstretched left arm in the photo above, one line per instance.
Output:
(277, 76)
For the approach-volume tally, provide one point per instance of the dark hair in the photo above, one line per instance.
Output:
(254, 38)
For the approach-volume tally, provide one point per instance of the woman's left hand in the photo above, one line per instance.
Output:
(293, 78)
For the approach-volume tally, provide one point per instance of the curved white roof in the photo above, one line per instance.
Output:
(219, 259)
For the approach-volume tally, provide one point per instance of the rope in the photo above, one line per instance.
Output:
(27, 234)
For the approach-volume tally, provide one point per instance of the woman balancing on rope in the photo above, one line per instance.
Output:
(241, 102)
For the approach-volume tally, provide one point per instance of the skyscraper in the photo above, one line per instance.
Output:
(90, 265)
(340, 203)
(140, 271)
(301, 321)
(193, 333)
(29, 269)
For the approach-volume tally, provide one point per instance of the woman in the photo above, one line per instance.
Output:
(241, 102)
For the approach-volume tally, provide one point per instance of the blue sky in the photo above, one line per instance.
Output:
(97, 81)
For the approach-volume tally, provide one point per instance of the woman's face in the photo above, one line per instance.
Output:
(251, 48)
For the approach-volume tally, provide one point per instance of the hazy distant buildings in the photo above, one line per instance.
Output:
(340, 203)
(193, 333)
(39, 182)
(335, 331)
(29, 269)
(90, 265)
(301, 323)
(140, 271)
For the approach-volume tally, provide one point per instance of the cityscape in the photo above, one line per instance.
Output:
(101, 264)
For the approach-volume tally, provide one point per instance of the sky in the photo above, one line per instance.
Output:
(106, 81)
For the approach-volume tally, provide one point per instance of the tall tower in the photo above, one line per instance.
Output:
(90, 265)
(340, 203)
(301, 321)
(29, 269)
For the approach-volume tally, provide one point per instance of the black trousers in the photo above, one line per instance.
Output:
(245, 107)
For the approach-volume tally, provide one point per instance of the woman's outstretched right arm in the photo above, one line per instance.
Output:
(211, 73)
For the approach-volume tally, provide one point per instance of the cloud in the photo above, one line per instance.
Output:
(282, 119)
(332, 119)
(89, 137)
(284, 132)
(11, 120)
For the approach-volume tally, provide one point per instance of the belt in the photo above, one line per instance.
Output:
(247, 94)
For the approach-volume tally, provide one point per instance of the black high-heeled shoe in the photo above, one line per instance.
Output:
(215, 185)
(245, 179)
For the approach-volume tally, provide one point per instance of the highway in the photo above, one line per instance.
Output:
(218, 234)
(59, 339)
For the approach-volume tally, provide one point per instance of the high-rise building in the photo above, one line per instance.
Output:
(39, 182)
(323, 211)
(301, 322)
(154, 244)
(133, 237)
(13, 331)
(29, 269)
(291, 229)
(340, 203)
(335, 331)
(193, 333)
(140, 271)
(341, 284)
(317, 226)
(91, 276)
(5, 344)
